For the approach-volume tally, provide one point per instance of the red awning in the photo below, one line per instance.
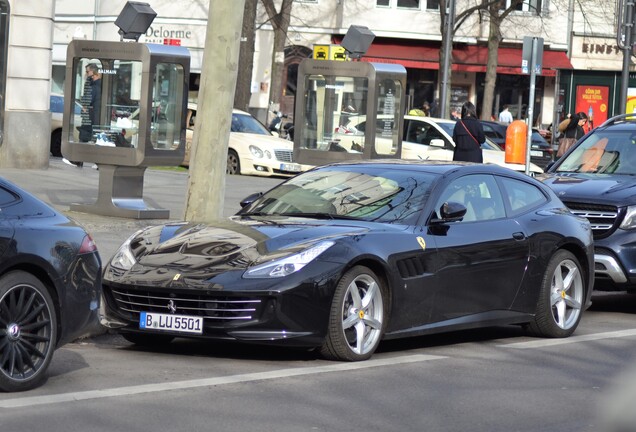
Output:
(472, 58)
(468, 58)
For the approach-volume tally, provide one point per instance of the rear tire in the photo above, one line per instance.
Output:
(561, 299)
(28, 331)
(56, 143)
(233, 163)
(358, 317)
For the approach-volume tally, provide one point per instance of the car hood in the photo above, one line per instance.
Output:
(234, 244)
(499, 158)
(608, 189)
(265, 141)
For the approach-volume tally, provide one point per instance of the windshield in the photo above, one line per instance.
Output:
(365, 192)
(247, 124)
(608, 151)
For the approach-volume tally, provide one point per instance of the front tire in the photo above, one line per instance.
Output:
(561, 298)
(358, 317)
(233, 163)
(28, 331)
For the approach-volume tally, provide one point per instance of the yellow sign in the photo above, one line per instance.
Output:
(321, 52)
(329, 52)
(338, 53)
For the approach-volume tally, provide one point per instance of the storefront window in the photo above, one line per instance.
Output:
(4, 38)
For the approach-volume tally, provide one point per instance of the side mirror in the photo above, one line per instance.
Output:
(250, 199)
(437, 142)
(450, 212)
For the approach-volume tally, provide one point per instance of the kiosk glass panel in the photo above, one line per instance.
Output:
(389, 101)
(335, 108)
(106, 95)
(167, 110)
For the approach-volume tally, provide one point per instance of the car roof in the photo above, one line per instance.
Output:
(440, 167)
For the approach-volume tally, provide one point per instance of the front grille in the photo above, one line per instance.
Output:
(215, 308)
(284, 155)
(603, 218)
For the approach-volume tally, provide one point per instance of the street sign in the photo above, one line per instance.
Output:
(321, 52)
(330, 52)
(526, 55)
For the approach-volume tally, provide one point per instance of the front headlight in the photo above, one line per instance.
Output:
(124, 258)
(629, 222)
(288, 265)
(257, 152)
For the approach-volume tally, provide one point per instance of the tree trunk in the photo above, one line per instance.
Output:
(246, 57)
(206, 182)
(494, 39)
(280, 23)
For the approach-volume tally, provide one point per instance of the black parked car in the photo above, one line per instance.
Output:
(596, 179)
(347, 254)
(540, 150)
(50, 286)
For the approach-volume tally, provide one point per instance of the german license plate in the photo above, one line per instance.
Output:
(290, 167)
(169, 322)
(536, 153)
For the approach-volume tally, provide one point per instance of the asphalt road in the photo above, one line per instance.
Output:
(487, 380)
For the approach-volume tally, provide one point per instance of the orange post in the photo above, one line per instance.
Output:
(516, 136)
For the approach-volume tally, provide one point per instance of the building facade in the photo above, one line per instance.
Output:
(581, 66)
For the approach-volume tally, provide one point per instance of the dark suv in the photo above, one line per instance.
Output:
(596, 179)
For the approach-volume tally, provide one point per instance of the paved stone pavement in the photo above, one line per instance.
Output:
(62, 185)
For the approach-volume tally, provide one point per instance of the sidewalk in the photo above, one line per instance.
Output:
(62, 185)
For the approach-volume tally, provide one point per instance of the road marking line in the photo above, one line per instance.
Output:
(541, 343)
(217, 381)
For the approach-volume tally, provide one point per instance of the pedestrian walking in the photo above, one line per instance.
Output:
(468, 135)
(505, 116)
(571, 130)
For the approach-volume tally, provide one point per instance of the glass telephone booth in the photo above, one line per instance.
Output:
(348, 110)
(125, 106)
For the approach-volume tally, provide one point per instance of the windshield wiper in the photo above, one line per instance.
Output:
(320, 215)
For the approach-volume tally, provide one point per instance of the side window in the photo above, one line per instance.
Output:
(522, 196)
(480, 195)
(490, 132)
(6, 197)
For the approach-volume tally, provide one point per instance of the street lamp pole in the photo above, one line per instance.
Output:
(625, 41)
(448, 51)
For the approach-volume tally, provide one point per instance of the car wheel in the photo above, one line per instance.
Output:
(233, 163)
(148, 339)
(561, 298)
(28, 331)
(357, 317)
(56, 143)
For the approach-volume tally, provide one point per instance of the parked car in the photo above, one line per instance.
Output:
(252, 149)
(50, 286)
(347, 254)
(57, 115)
(596, 179)
(427, 138)
(541, 152)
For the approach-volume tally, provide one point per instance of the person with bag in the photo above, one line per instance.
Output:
(468, 135)
(571, 130)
